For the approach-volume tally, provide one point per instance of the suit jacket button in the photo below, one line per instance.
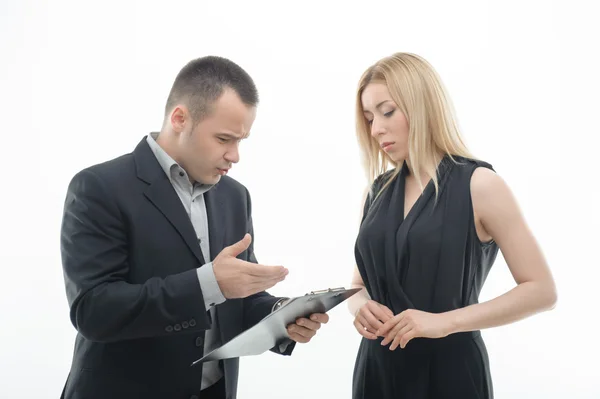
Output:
(185, 324)
(177, 327)
(199, 341)
(194, 397)
(192, 323)
(169, 329)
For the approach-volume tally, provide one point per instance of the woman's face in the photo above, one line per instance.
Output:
(388, 124)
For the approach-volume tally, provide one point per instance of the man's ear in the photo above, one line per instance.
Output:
(180, 118)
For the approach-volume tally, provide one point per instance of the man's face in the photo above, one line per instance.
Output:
(210, 148)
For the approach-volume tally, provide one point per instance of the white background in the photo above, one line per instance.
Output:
(82, 82)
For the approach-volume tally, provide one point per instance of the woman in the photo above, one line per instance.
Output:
(430, 232)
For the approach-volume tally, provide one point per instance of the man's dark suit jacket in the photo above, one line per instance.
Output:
(130, 254)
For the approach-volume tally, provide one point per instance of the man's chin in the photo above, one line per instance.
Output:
(209, 179)
(214, 179)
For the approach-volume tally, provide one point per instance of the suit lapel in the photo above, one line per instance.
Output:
(164, 197)
(216, 221)
(161, 193)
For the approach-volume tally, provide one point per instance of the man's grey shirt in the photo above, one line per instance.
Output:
(192, 198)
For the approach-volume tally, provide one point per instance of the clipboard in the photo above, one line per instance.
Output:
(272, 330)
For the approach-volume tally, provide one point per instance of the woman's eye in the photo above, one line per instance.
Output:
(388, 114)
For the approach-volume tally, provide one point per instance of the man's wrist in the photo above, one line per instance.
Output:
(210, 287)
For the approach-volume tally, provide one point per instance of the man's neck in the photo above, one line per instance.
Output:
(166, 142)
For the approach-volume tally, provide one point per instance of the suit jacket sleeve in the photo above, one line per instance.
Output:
(104, 306)
(260, 305)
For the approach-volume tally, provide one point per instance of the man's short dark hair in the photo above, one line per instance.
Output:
(202, 81)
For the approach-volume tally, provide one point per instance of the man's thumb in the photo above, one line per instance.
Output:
(240, 246)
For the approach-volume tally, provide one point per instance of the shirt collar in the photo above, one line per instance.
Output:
(168, 164)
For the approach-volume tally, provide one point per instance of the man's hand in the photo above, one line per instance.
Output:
(238, 278)
(304, 329)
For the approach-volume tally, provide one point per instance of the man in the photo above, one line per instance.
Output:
(157, 251)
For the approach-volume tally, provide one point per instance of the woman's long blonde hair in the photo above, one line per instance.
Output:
(418, 91)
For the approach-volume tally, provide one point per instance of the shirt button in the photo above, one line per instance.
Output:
(181, 174)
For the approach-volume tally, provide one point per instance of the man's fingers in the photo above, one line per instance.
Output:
(299, 330)
(298, 338)
(311, 325)
(239, 247)
(265, 271)
(266, 281)
(262, 285)
(322, 318)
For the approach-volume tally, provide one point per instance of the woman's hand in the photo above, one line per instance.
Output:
(370, 317)
(412, 323)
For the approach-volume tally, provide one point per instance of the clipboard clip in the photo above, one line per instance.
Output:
(325, 291)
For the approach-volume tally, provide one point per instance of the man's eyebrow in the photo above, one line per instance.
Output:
(231, 136)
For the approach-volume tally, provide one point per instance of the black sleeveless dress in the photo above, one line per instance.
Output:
(432, 261)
